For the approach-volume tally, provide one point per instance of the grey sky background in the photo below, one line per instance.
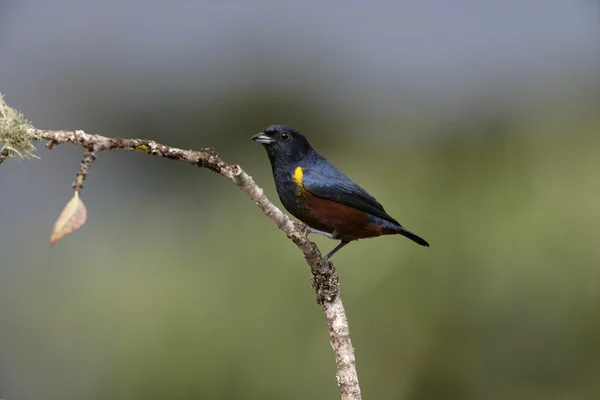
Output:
(382, 46)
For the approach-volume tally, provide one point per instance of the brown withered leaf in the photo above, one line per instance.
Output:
(72, 218)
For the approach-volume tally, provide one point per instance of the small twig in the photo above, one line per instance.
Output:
(4, 155)
(88, 158)
(325, 280)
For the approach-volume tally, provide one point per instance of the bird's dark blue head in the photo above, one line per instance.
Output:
(284, 144)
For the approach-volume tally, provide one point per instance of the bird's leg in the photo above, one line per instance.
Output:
(332, 252)
(317, 232)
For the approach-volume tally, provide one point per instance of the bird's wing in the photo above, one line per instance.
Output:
(324, 180)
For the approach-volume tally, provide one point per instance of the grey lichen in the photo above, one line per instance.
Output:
(16, 133)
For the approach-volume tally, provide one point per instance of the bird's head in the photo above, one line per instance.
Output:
(284, 144)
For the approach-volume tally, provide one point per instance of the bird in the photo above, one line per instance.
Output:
(320, 195)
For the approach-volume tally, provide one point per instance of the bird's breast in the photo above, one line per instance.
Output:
(289, 187)
(290, 184)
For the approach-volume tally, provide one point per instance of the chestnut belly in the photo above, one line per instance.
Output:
(328, 216)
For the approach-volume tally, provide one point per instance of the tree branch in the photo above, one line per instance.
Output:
(324, 277)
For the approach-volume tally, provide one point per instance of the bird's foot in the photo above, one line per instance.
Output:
(318, 232)
(335, 235)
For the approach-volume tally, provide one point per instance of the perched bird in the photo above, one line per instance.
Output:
(320, 195)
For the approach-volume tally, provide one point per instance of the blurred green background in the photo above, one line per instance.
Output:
(477, 126)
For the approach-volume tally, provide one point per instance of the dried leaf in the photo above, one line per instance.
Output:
(72, 218)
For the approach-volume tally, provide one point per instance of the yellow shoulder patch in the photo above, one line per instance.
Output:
(297, 176)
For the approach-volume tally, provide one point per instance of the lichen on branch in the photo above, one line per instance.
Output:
(16, 135)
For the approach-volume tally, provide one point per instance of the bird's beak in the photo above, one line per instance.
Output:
(262, 138)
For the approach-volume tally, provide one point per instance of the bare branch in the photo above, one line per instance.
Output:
(324, 277)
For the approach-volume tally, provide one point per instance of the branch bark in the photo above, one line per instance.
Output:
(324, 277)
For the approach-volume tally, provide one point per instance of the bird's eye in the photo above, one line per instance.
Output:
(285, 137)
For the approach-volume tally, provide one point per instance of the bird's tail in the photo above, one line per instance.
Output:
(393, 227)
(413, 237)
